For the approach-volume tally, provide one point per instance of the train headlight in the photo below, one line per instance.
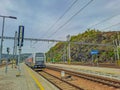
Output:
(35, 66)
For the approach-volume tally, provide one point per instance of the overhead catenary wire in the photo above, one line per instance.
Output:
(71, 17)
(61, 16)
(66, 11)
(104, 20)
(111, 26)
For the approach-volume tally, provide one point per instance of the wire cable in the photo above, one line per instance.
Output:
(61, 17)
(111, 26)
(104, 20)
(71, 18)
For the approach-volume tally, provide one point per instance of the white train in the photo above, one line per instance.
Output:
(36, 61)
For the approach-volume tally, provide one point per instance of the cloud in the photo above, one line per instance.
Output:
(39, 15)
(4, 6)
(113, 4)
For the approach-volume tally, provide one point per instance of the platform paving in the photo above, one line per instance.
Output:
(27, 80)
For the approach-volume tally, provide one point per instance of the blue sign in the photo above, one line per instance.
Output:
(20, 35)
(93, 52)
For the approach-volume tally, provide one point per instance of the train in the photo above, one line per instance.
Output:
(36, 61)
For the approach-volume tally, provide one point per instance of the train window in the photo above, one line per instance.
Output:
(39, 59)
(39, 54)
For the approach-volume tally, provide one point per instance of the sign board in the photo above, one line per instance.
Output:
(93, 52)
(20, 35)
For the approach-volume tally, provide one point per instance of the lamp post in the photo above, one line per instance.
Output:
(12, 17)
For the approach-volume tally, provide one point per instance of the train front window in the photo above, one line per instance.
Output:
(39, 59)
(39, 55)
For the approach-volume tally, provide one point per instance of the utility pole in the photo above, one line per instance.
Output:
(115, 55)
(2, 39)
(69, 54)
(12, 17)
(14, 49)
(64, 53)
(18, 62)
(20, 44)
(117, 51)
(8, 50)
(118, 46)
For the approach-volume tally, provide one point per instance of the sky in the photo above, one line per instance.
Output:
(38, 16)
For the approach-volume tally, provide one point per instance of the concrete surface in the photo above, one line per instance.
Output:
(27, 80)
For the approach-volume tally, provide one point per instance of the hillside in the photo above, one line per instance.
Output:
(82, 53)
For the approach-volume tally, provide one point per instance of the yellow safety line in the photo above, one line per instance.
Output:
(35, 79)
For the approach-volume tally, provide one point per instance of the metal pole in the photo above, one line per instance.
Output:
(2, 39)
(64, 53)
(18, 63)
(14, 49)
(12, 17)
(115, 54)
(20, 44)
(118, 62)
(117, 50)
(7, 63)
(69, 54)
(8, 50)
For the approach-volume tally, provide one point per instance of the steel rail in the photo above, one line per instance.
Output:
(61, 80)
(95, 78)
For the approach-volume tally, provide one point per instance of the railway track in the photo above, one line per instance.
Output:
(101, 65)
(103, 80)
(58, 82)
(95, 65)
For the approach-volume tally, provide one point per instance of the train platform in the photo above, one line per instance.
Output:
(100, 71)
(26, 80)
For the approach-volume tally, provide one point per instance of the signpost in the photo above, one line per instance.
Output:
(20, 44)
(94, 52)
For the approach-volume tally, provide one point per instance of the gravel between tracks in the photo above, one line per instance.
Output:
(86, 84)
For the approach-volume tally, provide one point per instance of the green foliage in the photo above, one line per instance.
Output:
(81, 52)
